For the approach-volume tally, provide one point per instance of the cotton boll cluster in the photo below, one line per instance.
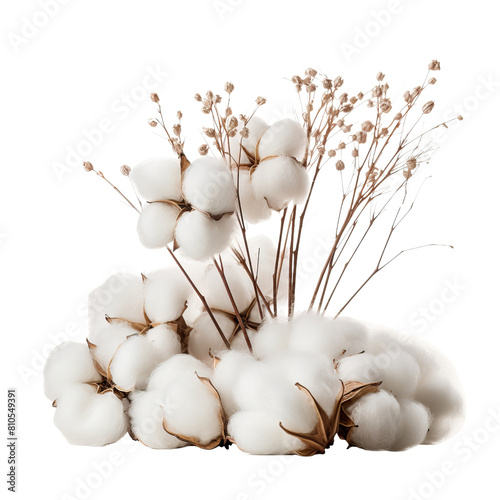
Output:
(191, 208)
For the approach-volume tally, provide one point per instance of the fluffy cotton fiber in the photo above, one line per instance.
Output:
(255, 208)
(284, 137)
(156, 224)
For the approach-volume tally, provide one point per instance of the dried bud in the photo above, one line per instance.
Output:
(311, 88)
(311, 72)
(434, 65)
(341, 145)
(355, 153)
(361, 137)
(340, 165)
(338, 82)
(87, 166)
(385, 105)
(411, 163)
(346, 128)
(377, 91)
(309, 107)
(332, 153)
(152, 122)
(321, 150)
(347, 108)
(197, 97)
(432, 81)
(384, 132)
(210, 95)
(228, 87)
(296, 79)
(232, 132)
(154, 97)
(177, 129)
(398, 116)
(203, 149)
(209, 132)
(229, 112)
(460, 118)
(232, 122)
(244, 132)
(298, 87)
(367, 126)
(353, 100)
(260, 101)
(206, 110)
(327, 83)
(125, 170)
(218, 99)
(179, 115)
(361, 95)
(370, 104)
(407, 96)
(428, 107)
(380, 76)
(407, 174)
(343, 98)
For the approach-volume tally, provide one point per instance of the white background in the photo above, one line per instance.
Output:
(63, 231)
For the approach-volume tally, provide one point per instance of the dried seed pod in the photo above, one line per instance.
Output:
(427, 107)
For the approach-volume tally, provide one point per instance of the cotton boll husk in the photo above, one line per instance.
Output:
(165, 294)
(156, 224)
(255, 208)
(208, 185)
(258, 433)
(311, 332)
(146, 416)
(158, 179)
(180, 365)
(68, 363)
(354, 332)
(192, 409)
(414, 421)
(90, 419)
(376, 416)
(284, 137)
(226, 373)
(280, 180)
(400, 373)
(204, 338)
(256, 127)
(272, 337)
(360, 368)
(315, 372)
(121, 296)
(200, 237)
(108, 339)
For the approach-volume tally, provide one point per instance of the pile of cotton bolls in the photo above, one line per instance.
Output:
(155, 366)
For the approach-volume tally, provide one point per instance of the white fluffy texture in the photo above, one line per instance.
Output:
(208, 186)
(146, 416)
(68, 363)
(192, 409)
(414, 421)
(400, 373)
(257, 433)
(377, 417)
(360, 368)
(180, 365)
(119, 297)
(136, 358)
(200, 237)
(156, 224)
(284, 137)
(255, 208)
(158, 179)
(90, 419)
(354, 332)
(165, 294)
(273, 337)
(256, 127)
(312, 332)
(204, 338)
(280, 180)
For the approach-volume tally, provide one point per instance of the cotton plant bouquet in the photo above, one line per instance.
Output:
(214, 349)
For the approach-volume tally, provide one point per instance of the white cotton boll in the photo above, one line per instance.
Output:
(226, 373)
(311, 332)
(146, 416)
(158, 179)
(90, 419)
(180, 365)
(119, 297)
(208, 185)
(204, 339)
(284, 137)
(414, 422)
(165, 342)
(68, 363)
(354, 332)
(255, 208)
(360, 368)
(200, 237)
(400, 373)
(272, 337)
(256, 127)
(192, 409)
(165, 294)
(258, 433)
(280, 180)
(313, 371)
(376, 416)
(156, 224)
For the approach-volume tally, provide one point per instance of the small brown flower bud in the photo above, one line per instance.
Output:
(218, 99)
(296, 79)
(353, 100)
(321, 150)
(343, 98)
(311, 72)
(367, 126)
(377, 91)
(432, 81)
(87, 166)
(385, 105)
(232, 122)
(152, 122)
(332, 153)
(370, 104)
(203, 149)
(298, 87)
(411, 163)
(232, 132)
(260, 101)
(338, 82)
(125, 170)
(177, 129)
(427, 107)
(229, 112)
(407, 174)
(460, 118)
(209, 132)
(341, 145)
(407, 96)
(340, 165)
(244, 132)
(206, 110)
(398, 116)
(197, 97)
(154, 97)
(210, 95)
(327, 83)
(311, 88)
(384, 132)
(434, 65)
(347, 108)
(355, 153)
(361, 95)
(228, 87)
(380, 76)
